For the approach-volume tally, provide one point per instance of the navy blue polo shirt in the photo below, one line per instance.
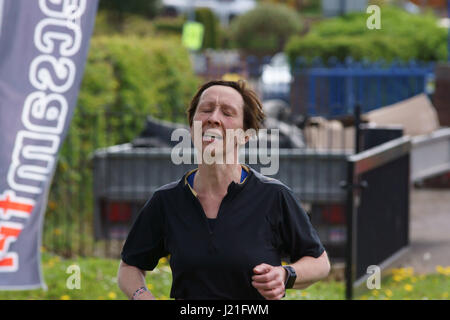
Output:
(190, 180)
(259, 221)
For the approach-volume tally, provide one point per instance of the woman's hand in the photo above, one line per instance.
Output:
(269, 281)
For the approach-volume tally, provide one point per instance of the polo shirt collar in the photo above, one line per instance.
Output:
(232, 187)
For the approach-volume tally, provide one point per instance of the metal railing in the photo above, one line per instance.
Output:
(436, 144)
(328, 88)
(333, 89)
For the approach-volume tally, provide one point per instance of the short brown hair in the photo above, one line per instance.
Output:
(253, 111)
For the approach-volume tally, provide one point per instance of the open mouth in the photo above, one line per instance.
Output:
(209, 136)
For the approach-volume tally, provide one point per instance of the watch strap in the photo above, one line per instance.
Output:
(290, 278)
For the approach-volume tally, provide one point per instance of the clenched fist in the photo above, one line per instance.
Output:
(269, 281)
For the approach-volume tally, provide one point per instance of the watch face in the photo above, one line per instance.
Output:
(293, 271)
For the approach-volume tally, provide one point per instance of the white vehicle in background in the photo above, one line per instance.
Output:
(225, 10)
(276, 78)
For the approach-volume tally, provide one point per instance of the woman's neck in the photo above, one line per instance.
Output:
(215, 178)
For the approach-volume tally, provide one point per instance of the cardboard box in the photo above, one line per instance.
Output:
(321, 134)
(416, 115)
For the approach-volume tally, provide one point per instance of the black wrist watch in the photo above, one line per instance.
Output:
(290, 278)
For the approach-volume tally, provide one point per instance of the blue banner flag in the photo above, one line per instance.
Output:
(43, 49)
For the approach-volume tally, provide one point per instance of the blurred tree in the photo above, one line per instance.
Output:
(265, 29)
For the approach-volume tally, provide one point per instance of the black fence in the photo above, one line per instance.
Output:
(377, 210)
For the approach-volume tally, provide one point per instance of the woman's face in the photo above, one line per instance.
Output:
(220, 112)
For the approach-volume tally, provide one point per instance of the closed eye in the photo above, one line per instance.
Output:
(206, 109)
(228, 111)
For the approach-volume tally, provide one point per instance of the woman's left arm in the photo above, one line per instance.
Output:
(310, 270)
(269, 280)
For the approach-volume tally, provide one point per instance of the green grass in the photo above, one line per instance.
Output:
(99, 282)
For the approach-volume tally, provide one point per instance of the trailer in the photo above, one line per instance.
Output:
(125, 177)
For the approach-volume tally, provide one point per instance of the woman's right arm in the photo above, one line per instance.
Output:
(130, 279)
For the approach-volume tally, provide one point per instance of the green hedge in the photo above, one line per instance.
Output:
(402, 36)
(148, 75)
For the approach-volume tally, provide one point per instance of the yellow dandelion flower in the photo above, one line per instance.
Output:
(65, 297)
(364, 298)
(304, 294)
(112, 295)
(409, 271)
(408, 287)
(57, 232)
(444, 295)
(397, 278)
(149, 286)
(403, 272)
(52, 205)
(388, 293)
(443, 270)
(163, 260)
(394, 271)
(375, 293)
(163, 297)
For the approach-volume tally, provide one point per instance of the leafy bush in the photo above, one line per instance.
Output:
(211, 37)
(402, 36)
(142, 75)
(265, 29)
(127, 78)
